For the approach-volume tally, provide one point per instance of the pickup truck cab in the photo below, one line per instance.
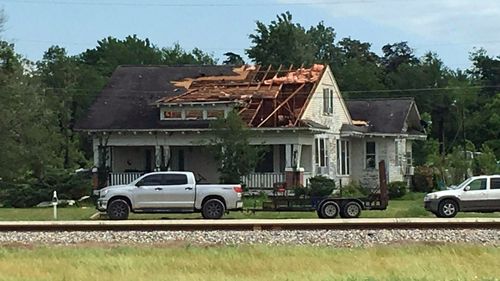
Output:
(476, 194)
(169, 192)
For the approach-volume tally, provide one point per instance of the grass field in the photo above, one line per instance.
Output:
(409, 206)
(184, 262)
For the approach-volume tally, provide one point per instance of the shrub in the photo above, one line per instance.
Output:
(396, 189)
(422, 180)
(321, 186)
(31, 192)
(354, 189)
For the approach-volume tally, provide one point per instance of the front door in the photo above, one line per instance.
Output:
(476, 197)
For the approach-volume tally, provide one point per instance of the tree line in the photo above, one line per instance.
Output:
(41, 100)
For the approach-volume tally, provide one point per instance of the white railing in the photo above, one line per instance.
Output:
(262, 180)
(307, 176)
(123, 178)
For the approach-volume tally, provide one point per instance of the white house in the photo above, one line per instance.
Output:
(157, 117)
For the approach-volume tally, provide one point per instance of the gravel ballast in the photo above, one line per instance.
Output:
(334, 238)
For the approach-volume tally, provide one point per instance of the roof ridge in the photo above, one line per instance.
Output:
(380, 99)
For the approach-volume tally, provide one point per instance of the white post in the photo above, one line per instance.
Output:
(54, 204)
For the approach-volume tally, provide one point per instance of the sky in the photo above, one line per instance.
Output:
(450, 28)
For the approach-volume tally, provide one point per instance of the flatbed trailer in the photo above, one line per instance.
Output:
(330, 206)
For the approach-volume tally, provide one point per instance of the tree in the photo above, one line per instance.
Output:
(282, 42)
(111, 52)
(397, 54)
(176, 55)
(231, 148)
(233, 59)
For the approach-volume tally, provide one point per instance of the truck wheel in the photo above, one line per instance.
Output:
(447, 208)
(351, 210)
(118, 209)
(213, 209)
(329, 210)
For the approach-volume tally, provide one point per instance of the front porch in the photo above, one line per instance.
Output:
(128, 163)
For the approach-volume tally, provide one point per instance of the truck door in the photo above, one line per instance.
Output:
(476, 197)
(177, 192)
(494, 193)
(145, 195)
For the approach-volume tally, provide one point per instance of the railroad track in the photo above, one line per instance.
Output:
(252, 224)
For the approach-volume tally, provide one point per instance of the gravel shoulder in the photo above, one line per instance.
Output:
(332, 238)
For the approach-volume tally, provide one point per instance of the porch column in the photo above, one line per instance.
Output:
(166, 157)
(157, 157)
(294, 175)
(95, 147)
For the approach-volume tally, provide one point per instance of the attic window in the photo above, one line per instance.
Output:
(327, 101)
(194, 114)
(214, 114)
(172, 114)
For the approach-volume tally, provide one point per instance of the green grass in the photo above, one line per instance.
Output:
(245, 263)
(411, 205)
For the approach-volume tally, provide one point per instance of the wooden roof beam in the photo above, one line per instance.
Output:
(281, 105)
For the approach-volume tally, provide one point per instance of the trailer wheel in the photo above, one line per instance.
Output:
(351, 210)
(329, 210)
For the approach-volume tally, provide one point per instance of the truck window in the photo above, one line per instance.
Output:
(479, 184)
(495, 183)
(151, 180)
(174, 179)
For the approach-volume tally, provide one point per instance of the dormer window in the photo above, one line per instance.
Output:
(172, 114)
(205, 112)
(194, 114)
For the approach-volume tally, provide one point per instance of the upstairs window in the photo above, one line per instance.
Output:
(172, 114)
(370, 155)
(215, 113)
(327, 101)
(194, 114)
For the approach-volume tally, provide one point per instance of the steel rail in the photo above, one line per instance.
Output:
(250, 224)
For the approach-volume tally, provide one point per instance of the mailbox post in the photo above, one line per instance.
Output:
(54, 204)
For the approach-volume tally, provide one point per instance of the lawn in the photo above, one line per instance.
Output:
(409, 206)
(242, 263)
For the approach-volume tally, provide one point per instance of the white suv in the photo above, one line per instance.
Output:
(476, 194)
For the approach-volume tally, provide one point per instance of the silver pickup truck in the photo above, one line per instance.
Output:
(169, 192)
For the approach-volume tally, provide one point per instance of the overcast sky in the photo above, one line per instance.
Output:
(451, 28)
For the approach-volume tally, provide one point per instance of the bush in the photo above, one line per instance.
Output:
(422, 180)
(397, 189)
(321, 186)
(354, 189)
(31, 192)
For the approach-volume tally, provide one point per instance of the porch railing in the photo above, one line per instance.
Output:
(262, 180)
(123, 178)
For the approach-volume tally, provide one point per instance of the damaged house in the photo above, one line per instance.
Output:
(156, 118)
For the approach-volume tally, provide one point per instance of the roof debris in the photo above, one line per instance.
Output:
(264, 97)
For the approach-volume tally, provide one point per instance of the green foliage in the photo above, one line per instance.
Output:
(423, 179)
(32, 192)
(233, 59)
(176, 55)
(354, 189)
(397, 189)
(321, 186)
(486, 162)
(231, 148)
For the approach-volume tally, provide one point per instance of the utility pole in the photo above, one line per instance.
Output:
(463, 136)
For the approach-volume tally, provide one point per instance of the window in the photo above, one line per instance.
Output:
(265, 165)
(478, 184)
(495, 183)
(172, 114)
(371, 157)
(327, 101)
(151, 180)
(194, 114)
(321, 153)
(174, 179)
(342, 157)
(214, 114)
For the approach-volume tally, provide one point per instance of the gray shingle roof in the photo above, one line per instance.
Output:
(125, 102)
(383, 115)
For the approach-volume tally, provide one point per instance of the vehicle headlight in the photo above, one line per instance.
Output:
(103, 193)
(430, 197)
